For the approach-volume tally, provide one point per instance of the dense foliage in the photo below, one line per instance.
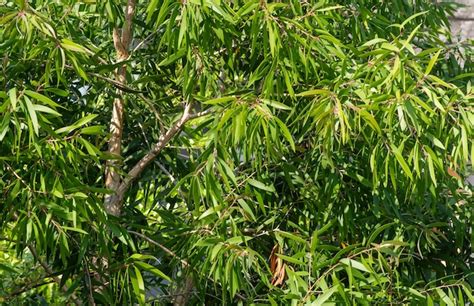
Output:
(287, 152)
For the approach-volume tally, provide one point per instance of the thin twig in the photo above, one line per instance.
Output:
(50, 273)
(165, 249)
(28, 288)
(173, 254)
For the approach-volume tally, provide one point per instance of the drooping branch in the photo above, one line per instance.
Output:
(121, 44)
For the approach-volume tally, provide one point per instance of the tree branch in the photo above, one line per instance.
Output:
(50, 273)
(153, 153)
(165, 249)
(141, 165)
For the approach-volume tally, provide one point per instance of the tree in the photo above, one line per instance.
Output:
(235, 152)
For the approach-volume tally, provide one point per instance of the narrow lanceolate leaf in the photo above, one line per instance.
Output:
(325, 296)
(314, 92)
(13, 98)
(276, 104)
(291, 236)
(238, 239)
(32, 113)
(291, 259)
(246, 208)
(370, 120)
(173, 57)
(432, 62)
(354, 264)
(41, 98)
(151, 10)
(374, 42)
(75, 229)
(271, 37)
(4, 126)
(152, 269)
(138, 285)
(390, 47)
(72, 46)
(45, 109)
(79, 123)
(261, 185)
(412, 17)
(221, 100)
(401, 161)
(286, 132)
(330, 8)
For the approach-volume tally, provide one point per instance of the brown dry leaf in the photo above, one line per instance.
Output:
(277, 267)
(453, 173)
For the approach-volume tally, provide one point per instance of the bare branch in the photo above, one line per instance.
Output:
(151, 155)
(115, 201)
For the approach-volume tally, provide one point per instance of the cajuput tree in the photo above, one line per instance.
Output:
(235, 152)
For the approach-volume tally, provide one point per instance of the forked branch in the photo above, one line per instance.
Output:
(163, 141)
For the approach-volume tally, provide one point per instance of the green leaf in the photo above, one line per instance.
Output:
(41, 98)
(138, 285)
(432, 62)
(370, 120)
(72, 46)
(416, 293)
(93, 130)
(173, 57)
(238, 239)
(431, 169)
(411, 18)
(32, 114)
(45, 109)
(276, 104)
(155, 271)
(57, 91)
(75, 229)
(291, 259)
(291, 236)
(246, 208)
(314, 92)
(271, 38)
(390, 47)
(378, 230)
(184, 25)
(151, 10)
(354, 264)
(228, 171)
(326, 295)
(374, 42)
(286, 132)
(401, 161)
(444, 297)
(261, 185)
(221, 100)
(81, 122)
(13, 98)
(330, 8)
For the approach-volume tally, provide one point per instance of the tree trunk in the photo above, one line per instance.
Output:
(113, 202)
